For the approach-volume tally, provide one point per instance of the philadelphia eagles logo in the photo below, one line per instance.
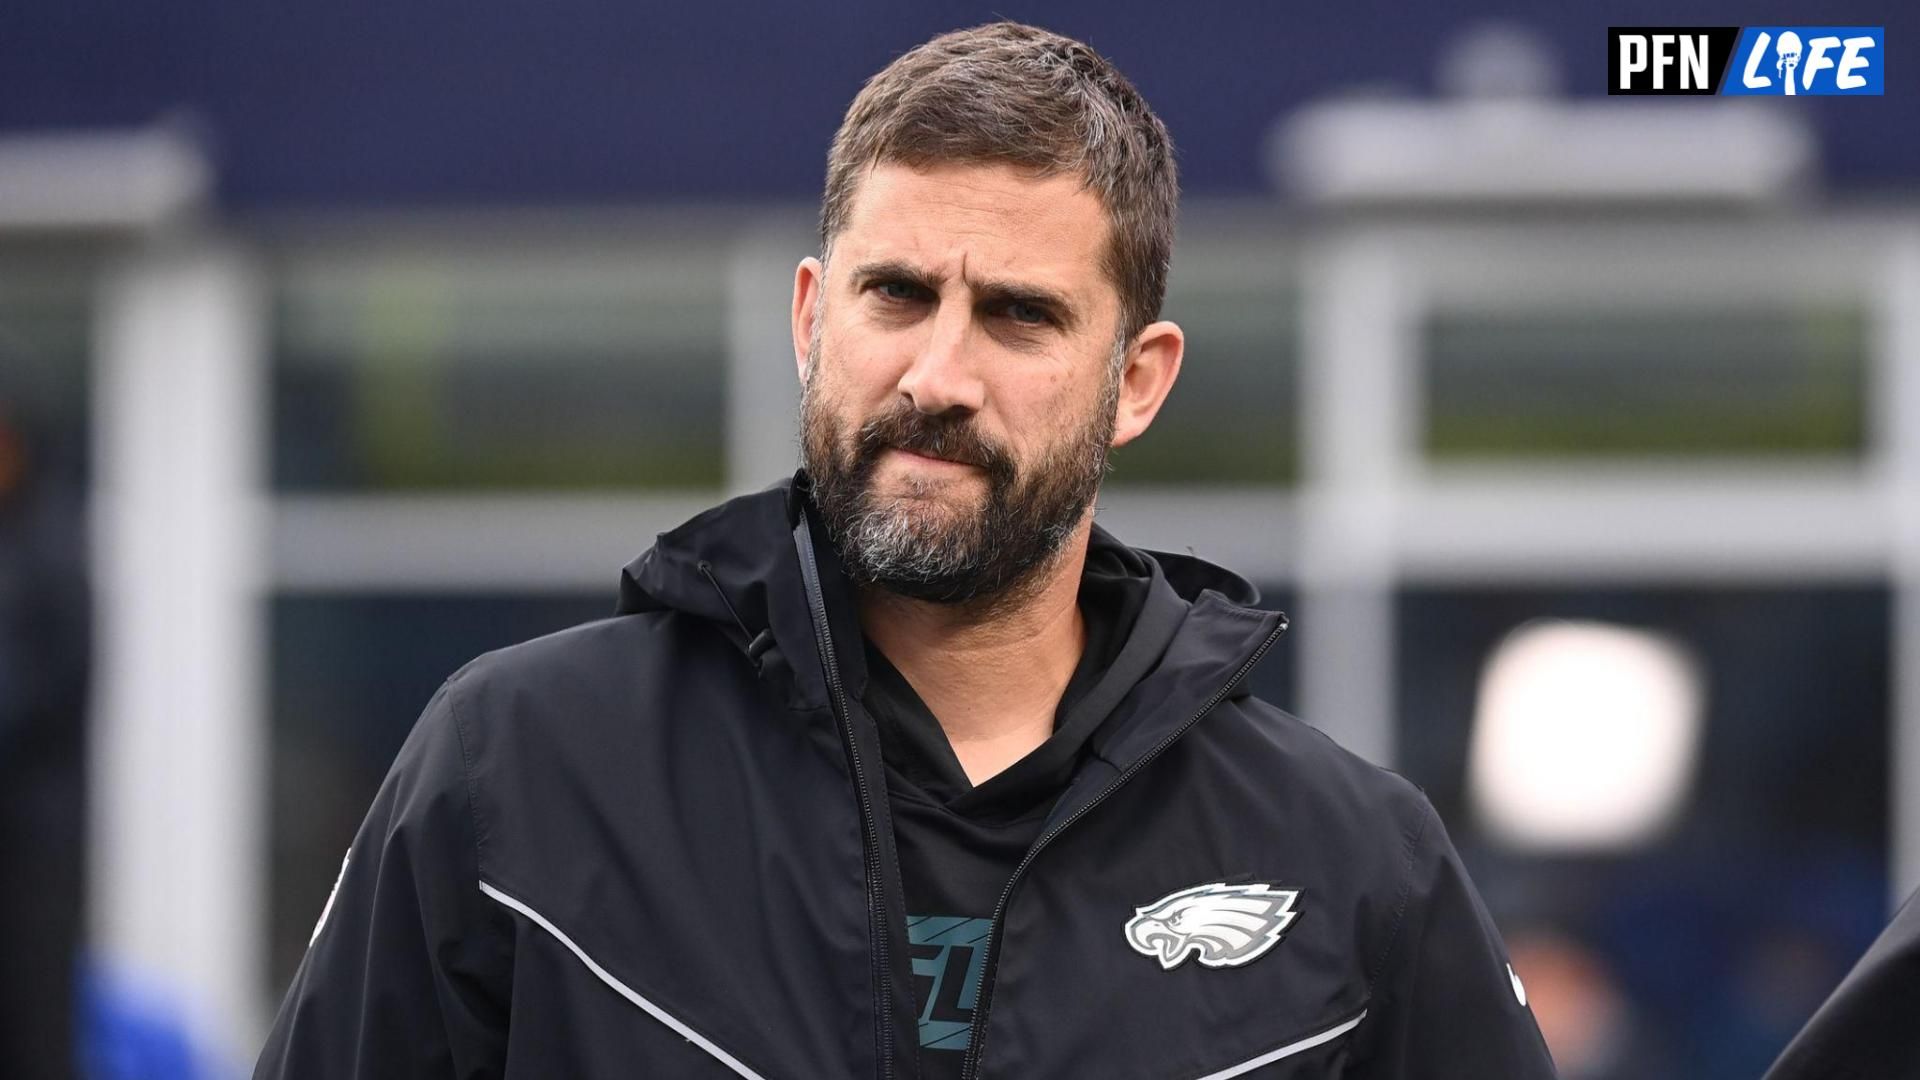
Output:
(1223, 925)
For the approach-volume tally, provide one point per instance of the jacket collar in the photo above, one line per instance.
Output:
(735, 566)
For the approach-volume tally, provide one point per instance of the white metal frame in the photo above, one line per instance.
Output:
(1377, 513)
(178, 853)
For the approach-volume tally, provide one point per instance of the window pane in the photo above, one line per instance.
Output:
(46, 344)
(499, 369)
(1735, 381)
(1231, 417)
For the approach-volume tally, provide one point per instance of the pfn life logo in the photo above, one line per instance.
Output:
(1794, 60)
(1788, 61)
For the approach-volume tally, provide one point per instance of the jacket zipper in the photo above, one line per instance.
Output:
(977, 1035)
(876, 907)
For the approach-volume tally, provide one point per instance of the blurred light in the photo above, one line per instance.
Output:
(1578, 1002)
(1585, 736)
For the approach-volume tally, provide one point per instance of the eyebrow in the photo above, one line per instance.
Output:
(991, 291)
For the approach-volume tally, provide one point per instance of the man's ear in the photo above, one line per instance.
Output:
(1153, 363)
(809, 284)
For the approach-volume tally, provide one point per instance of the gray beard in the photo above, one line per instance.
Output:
(988, 559)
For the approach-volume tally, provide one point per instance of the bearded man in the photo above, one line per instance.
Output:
(904, 767)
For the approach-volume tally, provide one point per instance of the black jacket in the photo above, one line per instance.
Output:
(658, 845)
(1866, 1030)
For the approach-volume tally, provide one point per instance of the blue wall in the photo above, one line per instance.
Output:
(569, 101)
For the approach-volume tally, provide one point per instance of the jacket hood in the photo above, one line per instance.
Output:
(736, 565)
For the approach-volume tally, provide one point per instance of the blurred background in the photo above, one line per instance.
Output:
(1579, 436)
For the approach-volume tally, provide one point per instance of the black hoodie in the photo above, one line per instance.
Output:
(957, 842)
(662, 844)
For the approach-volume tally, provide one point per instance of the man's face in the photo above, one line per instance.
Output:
(960, 394)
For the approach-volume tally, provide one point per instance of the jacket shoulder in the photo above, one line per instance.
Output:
(1325, 771)
(580, 650)
(575, 692)
(597, 657)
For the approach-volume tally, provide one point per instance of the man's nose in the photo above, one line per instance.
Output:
(943, 374)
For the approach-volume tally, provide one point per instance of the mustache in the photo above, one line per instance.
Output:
(950, 439)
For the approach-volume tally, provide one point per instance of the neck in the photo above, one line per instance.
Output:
(992, 674)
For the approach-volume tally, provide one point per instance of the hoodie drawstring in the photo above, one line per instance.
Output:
(757, 644)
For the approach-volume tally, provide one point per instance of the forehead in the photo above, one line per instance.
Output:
(982, 221)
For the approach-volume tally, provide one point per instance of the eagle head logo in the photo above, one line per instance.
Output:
(1222, 925)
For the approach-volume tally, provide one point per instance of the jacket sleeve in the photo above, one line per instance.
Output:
(1446, 1004)
(407, 971)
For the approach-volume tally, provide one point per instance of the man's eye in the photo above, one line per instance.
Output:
(1028, 314)
(898, 290)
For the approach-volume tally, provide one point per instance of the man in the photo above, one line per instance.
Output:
(904, 768)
